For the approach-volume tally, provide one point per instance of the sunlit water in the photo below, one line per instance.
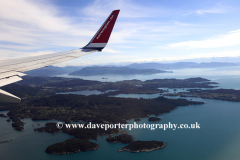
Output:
(217, 139)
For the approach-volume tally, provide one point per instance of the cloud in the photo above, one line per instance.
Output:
(37, 23)
(34, 15)
(131, 23)
(232, 53)
(9, 54)
(217, 9)
(128, 8)
(212, 10)
(108, 50)
(230, 39)
(183, 24)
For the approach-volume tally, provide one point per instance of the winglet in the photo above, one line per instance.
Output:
(100, 39)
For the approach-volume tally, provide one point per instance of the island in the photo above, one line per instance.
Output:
(123, 138)
(143, 146)
(218, 94)
(137, 119)
(17, 124)
(81, 133)
(72, 145)
(3, 115)
(106, 70)
(154, 119)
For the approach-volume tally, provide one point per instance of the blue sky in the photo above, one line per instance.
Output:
(146, 30)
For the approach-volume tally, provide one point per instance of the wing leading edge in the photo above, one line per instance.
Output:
(10, 70)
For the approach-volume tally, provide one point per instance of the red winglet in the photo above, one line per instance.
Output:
(100, 39)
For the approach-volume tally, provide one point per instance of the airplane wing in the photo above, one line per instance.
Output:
(11, 69)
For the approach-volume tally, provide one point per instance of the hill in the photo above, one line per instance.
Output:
(87, 71)
(52, 70)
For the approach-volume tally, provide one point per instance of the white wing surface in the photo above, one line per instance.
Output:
(11, 69)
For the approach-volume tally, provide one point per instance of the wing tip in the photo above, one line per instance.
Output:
(100, 39)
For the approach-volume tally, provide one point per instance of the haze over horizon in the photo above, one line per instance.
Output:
(145, 31)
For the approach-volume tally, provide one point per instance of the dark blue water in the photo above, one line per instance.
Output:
(217, 139)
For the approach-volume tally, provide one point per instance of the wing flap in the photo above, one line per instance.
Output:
(9, 80)
(8, 98)
(10, 74)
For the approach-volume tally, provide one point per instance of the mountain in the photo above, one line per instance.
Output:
(104, 70)
(52, 70)
(180, 65)
(134, 68)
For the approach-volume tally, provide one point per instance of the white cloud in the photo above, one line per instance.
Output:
(232, 53)
(128, 9)
(108, 50)
(212, 10)
(9, 54)
(217, 9)
(38, 24)
(34, 15)
(230, 39)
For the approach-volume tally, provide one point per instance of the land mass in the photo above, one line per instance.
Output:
(3, 115)
(95, 108)
(52, 70)
(154, 119)
(219, 94)
(78, 132)
(143, 146)
(72, 145)
(123, 138)
(128, 86)
(180, 65)
(89, 71)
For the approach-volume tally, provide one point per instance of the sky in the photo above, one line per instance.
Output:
(145, 31)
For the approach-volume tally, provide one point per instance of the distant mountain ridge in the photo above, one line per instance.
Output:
(106, 70)
(180, 65)
(143, 68)
(52, 70)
